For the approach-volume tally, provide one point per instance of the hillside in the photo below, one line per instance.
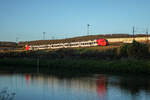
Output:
(7, 44)
(78, 39)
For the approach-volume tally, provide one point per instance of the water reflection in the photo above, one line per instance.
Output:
(27, 78)
(101, 86)
(95, 87)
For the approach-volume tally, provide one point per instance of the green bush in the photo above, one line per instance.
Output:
(135, 50)
(123, 50)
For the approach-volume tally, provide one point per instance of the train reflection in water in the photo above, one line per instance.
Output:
(87, 84)
(99, 85)
(95, 87)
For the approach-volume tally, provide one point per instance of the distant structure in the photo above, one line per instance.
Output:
(144, 31)
(88, 29)
(53, 37)
(44, 35)
(147, 35)
(133, 33)
(17, 39)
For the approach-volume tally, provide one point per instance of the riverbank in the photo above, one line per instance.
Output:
(129, 58)
(78, 66)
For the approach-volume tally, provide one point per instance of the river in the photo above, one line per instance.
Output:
(93, 87)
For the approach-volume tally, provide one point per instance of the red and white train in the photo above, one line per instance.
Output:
(97, 42)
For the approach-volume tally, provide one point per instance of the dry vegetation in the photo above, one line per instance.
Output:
(78, 39)
(8, 44)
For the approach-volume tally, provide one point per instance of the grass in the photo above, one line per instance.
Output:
(79, 66)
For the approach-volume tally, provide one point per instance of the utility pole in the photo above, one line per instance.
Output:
(17, 39)
(53, 37)
(88, 29)
(133, 33)
(44, 35)
(147, 35)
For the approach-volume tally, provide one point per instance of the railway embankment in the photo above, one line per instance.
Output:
(131, 58)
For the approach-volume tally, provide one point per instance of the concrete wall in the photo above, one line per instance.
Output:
(128, 40)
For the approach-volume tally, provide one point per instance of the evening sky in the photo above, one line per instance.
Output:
(28, 19)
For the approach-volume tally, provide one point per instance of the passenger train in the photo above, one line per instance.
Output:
(97, 42)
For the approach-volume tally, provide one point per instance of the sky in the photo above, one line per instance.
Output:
(26, 20)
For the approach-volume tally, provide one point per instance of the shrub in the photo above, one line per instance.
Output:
(135, 50)
(123, 50)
